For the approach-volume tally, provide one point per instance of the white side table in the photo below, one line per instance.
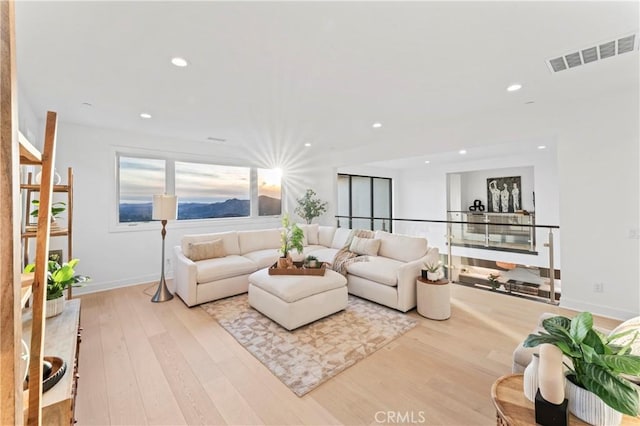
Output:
(434, 299)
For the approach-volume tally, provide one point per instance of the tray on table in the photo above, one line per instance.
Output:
(298, 269)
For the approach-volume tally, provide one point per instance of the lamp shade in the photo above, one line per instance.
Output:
(165, 207)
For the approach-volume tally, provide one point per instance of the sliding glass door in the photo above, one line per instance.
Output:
(364, 202)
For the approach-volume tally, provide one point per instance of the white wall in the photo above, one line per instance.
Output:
(599, 206)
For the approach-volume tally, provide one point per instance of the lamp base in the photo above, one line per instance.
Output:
(162, 294)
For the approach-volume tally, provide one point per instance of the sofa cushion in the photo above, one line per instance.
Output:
(325, 235)
(401, 247)
(230, 240)
(340, 238)
(310, 233)
(365, 246)
(323, 254)
(630, 327)
(223, 267)
(259, 239)
(379, 269)
(206, 250)
(263, 258)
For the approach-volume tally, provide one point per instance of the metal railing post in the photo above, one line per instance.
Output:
(449, 261)
(486, 230)
(552, 270)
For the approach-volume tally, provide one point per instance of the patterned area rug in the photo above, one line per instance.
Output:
(308, 356)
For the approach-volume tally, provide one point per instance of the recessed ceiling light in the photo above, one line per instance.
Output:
(462, 152)
(542, 147)
(179, 62)
(307, 144)
(426, 161)
(145, 115)
(377, 125)
(514, 87)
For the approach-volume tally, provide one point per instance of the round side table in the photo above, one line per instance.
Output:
(433, 298)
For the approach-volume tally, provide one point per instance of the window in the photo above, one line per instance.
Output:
(269, 192)
(364, 202)
(204, 190)
(211, 191)
(139, 179)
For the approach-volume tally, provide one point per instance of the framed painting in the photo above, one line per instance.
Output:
(504, 194)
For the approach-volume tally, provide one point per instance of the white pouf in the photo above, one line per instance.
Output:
(295, 300)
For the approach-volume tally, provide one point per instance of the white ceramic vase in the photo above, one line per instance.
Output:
(433, 276)
(588, 407)
(54, 307)
(530, 380)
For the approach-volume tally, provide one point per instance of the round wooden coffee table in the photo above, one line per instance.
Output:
(513, 408)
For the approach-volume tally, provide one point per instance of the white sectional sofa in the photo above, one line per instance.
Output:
(388, 278)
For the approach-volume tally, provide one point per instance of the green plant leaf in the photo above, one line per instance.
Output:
(559, 327)
(625, 364)
(534, 340)
(30, 268)
(595, 340)
(581, 324)
(63, 274)
(568, 350)
(616, 392)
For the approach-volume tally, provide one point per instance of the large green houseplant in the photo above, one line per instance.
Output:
(596, 362)
(309, 206)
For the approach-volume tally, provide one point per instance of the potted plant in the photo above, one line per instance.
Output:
(431, 271)
(594, 378)
(56, 209)
(290, 238)
(310, 207)
(493, 280)
(59, 277)
(312, 262)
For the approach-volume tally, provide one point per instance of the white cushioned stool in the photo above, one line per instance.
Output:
(295, 300)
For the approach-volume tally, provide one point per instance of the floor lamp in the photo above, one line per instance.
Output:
(165, 208)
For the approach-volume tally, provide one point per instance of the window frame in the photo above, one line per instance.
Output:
(170, 158)
(372, 197)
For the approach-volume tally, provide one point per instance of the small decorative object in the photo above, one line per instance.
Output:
(53, 369)
(597, 365)
(550, 375)
(432, 271)
(291, 237)
(493, 280)
(551, 408)
(297, 268)
(59, 277)
(477, 206)
(530, 379)
(310, 207)
(311, 262)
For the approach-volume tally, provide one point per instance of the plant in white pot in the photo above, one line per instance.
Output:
(59, 277)
(596, 390)
(431, 271)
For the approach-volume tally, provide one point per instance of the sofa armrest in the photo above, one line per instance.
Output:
(184, 276)
(407, 276)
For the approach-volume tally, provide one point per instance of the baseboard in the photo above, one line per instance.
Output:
(93, 287)
(601, 310)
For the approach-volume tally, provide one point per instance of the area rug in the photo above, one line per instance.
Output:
(310, 355)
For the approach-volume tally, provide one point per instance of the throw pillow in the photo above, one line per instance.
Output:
(206, 250)
(365, 246)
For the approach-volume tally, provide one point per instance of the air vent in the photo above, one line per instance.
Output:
(212, 139)
(590, 54)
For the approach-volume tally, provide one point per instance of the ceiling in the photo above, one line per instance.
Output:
(288, 73)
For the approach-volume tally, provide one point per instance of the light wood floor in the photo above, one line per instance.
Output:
(146, 363)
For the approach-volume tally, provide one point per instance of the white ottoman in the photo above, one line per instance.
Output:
(296, 300)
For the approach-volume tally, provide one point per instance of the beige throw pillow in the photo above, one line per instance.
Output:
(206, 250)
(366, 246)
